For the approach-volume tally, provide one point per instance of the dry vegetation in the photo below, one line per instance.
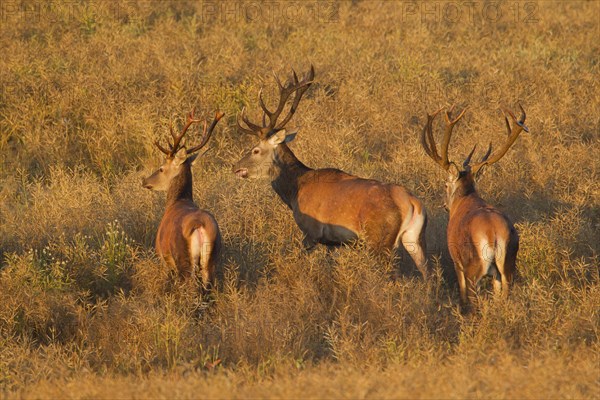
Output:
(86, 310)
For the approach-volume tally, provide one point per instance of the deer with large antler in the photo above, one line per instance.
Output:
(188, 238)
(481, 239)
(330, 206)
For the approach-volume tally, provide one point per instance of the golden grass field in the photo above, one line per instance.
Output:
(88, 311)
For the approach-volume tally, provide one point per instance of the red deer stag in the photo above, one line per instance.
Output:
(481, 240)
(330, 206)
(188, 237)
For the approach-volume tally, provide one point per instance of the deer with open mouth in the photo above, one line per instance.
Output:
(330, 206)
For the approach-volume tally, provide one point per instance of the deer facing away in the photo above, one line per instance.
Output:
(481, 239)
(188, 238)
(330, 206)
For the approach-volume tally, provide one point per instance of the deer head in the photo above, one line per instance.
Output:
(461, 180)
(178, 156)
(257, 162)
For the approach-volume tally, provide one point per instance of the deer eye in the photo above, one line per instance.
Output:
(161, 169)
(255, 151)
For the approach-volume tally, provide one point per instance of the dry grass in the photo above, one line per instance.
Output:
(87, 311)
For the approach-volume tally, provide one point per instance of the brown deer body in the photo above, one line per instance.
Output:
(330, 206)
(481, 239)
(188, 238)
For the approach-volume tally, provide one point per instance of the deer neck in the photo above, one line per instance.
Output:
(180, 187)
(465, 193)
(285, 174)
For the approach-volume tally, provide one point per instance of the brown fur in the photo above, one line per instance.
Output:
(332, 207)
(481, 240)
(181, 218)
(472, 223)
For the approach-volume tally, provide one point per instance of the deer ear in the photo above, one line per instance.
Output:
(282, 136)
(193, 158)
(180, 157)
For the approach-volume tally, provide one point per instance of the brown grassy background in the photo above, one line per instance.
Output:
(86, 310)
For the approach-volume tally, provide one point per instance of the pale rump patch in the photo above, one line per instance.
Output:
(405, 225)
(487, 255)
(500, 256)
(411, 228)
(200, 252)
(410, 235)
(492, 257)
(197, 239)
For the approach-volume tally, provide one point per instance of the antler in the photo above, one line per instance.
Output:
(251, 129)
(206, 134)
(175, 146)
(513, 133)
(285, 91)
(428, 142)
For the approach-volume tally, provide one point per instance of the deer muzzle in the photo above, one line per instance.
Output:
(240, 172)
(146, 184)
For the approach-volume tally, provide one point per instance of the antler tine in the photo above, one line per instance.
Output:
(521, 121)
(177, 138)
(203, 141)
(448, 134)
(427, 140)
(430, 135)
(173, 135)
(424, 143)
(207, 133)
(277, 80)
(249, 124)
(190, 120)
(251, 128)
(291, 86)
(513, 134)
(176, 141)
(167, 152)
(262, 103)
(483, 159)
(468, 159)
(300, 87)
(174, 147)
(487, 153)
(285, 91)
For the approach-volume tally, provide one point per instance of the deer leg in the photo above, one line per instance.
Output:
(506, 282)
(185, 268)
(471, 290)
(416, 249)
(308, 243)
(497, 282)
(201, 253)
(506, 261)
(207, 267)
(462, 284)
(169, 261)
(414, 243)
(492, 270)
